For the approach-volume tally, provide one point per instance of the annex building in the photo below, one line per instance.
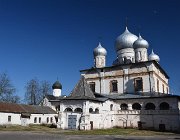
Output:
(133, 92)
(21, 114)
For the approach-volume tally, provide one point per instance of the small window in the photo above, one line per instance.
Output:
(51, 120)
(58, 108)
(39, 119)
(111, 107)
(47, 119)
(35, 120)
(167, 90)
(92, 86)
(138, 84)
(90, 110)
(113, 86)
(9, 118)
(124, 106)
(96, 110)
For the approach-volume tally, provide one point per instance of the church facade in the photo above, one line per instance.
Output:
(132, 93)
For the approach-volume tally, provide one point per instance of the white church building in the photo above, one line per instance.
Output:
(132, 93)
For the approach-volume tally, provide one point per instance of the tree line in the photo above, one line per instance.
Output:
(35, 90)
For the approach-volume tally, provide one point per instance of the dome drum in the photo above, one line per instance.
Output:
(126, 56)
(141, 55)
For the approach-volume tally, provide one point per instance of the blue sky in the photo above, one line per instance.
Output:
(47, 39)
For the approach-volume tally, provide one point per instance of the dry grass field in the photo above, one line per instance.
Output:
(114, 131)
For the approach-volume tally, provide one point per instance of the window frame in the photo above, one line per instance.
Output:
(136, 88)
(114, 86)
(92, 86)
(9, 118)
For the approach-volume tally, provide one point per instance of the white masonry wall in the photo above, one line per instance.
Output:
(125, 76)
(17, 120)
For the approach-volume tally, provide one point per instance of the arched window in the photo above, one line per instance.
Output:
(124, 106)
(150, 106)
(111, 107)
(136, 106)
(96, 110)
(164, 106)
(90, 110)
(68, 110)
(78, 110)
(47, 119)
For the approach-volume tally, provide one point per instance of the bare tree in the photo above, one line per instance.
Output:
(32, 92)
(45, 88)
(7, 90)
(35, 91)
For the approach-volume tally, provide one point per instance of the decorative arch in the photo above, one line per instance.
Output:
(68, 109)
(136, 106)
(121, 122)
(78, 110)
(150, 106)
(124, 106)
(164, 106)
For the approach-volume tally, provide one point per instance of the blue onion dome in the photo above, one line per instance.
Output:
(57, 85)
(125, 40)
(140, 43)
(99, 50)
(154, 56)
